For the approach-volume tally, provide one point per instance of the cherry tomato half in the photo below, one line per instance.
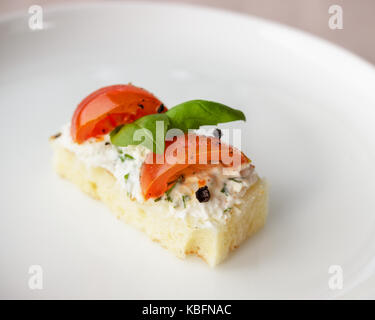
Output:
(156, 177)
(106, 108)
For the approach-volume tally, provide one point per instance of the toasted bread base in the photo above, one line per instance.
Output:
(180, 236)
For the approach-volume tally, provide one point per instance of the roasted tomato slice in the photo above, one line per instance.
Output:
(205, 152)
(106, 108)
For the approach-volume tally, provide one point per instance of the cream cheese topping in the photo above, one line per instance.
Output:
(226, 188)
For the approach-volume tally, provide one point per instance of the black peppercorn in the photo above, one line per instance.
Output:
(203, 194)
(217, 133)
(161, 108)
(141, 106)
(55, 136)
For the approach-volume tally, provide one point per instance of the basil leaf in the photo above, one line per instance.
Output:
(188, 115)
(143, 131)
(195, 113)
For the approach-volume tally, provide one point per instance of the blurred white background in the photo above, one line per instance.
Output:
(309, 15)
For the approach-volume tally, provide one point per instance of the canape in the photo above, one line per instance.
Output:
(192, 193)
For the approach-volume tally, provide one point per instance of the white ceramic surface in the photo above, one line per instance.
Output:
(310, 131)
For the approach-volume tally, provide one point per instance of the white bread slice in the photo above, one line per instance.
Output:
(177, 235)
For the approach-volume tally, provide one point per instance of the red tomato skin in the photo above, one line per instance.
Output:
(106, 108)
(156, 178)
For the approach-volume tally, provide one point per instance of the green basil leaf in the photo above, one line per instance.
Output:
(143, 131)
(188, 115)
(195, 113)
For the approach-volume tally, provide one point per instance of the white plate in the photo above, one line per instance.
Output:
(310, 131)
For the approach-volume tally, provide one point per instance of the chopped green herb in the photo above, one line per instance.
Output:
(157, 199)
(119, 151)
(126, 177)
(184, 199)
(235, 180)
(128, 156)
(224, 189)
(227, 209)
(168, 192)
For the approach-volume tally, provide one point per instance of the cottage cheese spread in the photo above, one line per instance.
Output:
(226, 189)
